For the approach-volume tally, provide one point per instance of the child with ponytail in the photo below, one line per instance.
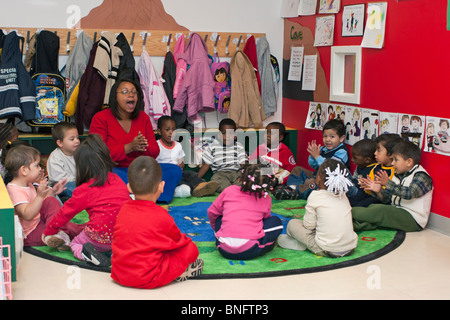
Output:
(326, 228)
(241, 215)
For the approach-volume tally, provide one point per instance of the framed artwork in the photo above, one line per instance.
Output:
(329, 6)
(353, 20)
(324, 35)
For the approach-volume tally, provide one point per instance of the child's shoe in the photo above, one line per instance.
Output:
(60, 241)
(205, 189)
(283, 192)
(194, 270)
(286, 242)
(182, 191)
(92, 256)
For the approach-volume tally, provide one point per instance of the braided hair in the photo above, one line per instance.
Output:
(257, 179)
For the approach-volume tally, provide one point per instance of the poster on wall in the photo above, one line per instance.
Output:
(411, 127)
(307, 7)
(375, 25)
(295, 68)
(317, 115)
(388, 122)
(437, 135)
(369, 123)
(329, 6)
(310, 73)
(352, 125)
(289, 8)
(353, 20)
(324, 35)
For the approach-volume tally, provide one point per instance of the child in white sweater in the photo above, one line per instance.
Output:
(326, 228)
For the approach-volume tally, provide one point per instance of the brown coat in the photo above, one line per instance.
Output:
(246, 106)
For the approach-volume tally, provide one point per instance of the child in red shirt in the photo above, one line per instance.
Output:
(149, 251)
(275, 152)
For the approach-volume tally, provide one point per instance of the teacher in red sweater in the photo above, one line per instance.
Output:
(127, 131)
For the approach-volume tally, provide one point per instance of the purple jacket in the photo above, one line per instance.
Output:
(197, 89)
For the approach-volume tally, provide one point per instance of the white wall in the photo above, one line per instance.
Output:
(249, 16)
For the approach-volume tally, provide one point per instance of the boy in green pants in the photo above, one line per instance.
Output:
(406, 197)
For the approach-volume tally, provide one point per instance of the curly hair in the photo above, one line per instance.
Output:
(257, 179)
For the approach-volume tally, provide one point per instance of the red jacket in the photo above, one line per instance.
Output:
(106, 125)
(149, 250)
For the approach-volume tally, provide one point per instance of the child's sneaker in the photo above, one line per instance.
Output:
(286, 242)
(205, 189)
(194, 270)
(91, 255)
(60, 241)
(182, 191)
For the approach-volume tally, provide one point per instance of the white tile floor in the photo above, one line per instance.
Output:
(418, 269)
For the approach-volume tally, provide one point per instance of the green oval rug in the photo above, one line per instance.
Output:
(190, 216)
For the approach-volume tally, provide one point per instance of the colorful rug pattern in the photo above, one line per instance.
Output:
(191, 217)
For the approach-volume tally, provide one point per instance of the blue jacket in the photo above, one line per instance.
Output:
(339, 153)
(17, 90)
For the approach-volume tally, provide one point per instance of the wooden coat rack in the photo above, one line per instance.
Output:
(156, 42)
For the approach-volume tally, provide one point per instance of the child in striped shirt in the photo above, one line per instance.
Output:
(225, 156)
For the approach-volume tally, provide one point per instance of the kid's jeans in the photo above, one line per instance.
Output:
(253, 248)
(385, 216)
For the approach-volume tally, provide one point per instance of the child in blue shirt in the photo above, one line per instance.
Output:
(301, 181)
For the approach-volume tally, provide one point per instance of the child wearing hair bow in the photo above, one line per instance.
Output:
(240, 216)
(326, 228)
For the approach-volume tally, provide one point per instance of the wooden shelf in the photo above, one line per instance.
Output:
(156, 41)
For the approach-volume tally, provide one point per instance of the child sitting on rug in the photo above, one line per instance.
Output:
(225, 156)
(241, 216)
(35, 206)
(326, 228)
(363, 156)
(406, 197)
(275, 152)
(60, 163)
(303, 180)
(172, 152)
(149, 251)
(101, 193)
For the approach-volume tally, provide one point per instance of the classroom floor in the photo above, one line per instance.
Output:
(418, 269)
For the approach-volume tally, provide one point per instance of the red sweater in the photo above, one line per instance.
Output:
(149, 250)
(102, 203)
(108, 127)
(282, 156)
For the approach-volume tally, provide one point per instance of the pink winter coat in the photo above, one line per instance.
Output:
(181, 65)
(197, 89)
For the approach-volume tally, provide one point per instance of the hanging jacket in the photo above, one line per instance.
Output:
(91, 94)
(269, 85)
(76, 64)
(245, 105)
(250, 52)
(17, 90)
(107, 60)
(46, 57)
(156, 103)
(197, 90)
(181, 65)
(127, 64)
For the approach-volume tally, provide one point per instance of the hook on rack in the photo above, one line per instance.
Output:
(239, 42)
(131, 42)
(226, 47)
(215, 43)
(68, 42)
(168, 42)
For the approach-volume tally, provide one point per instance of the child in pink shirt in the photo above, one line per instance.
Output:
(241, 216)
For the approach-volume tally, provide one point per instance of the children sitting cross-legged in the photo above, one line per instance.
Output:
(274, 152)
(363, 156)
(326, 228)
(61, 163)
(225, 156)
(301, 181)
(241, 216)
(149, 250)
(406, 197)
(101, 193)
(171, 151)
(35, 206)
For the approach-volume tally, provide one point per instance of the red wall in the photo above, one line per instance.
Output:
(411, 74)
